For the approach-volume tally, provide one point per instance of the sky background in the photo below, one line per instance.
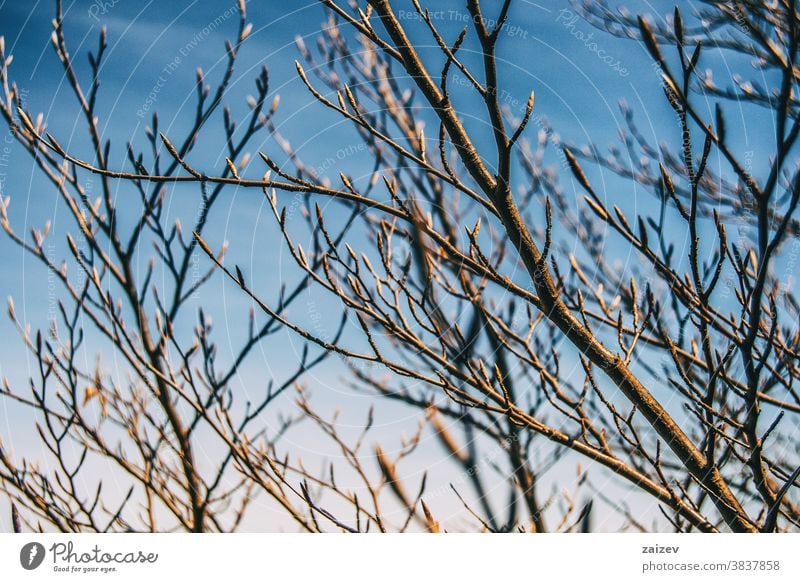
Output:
(544, 49)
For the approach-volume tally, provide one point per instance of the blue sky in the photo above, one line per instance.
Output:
(578, 85)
